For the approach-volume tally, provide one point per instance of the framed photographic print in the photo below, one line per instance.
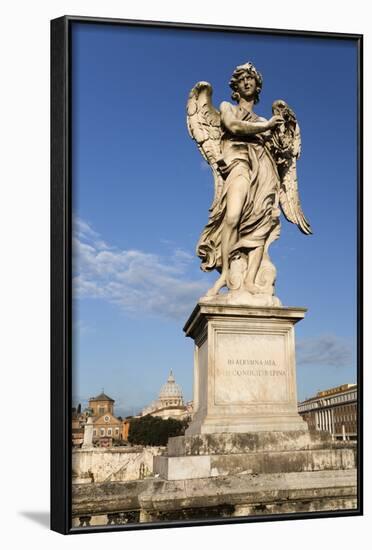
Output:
(206, 274)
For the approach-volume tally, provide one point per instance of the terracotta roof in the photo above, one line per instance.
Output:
(102, 397)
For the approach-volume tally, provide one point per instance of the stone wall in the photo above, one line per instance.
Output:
(98, 465)
(156, 499)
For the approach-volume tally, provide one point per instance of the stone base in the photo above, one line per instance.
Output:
(192, 467)
(239, 297)
(204, 456)
(238, 443)
(239, 424)
(244, 369)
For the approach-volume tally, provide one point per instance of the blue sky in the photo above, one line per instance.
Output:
(141, 194)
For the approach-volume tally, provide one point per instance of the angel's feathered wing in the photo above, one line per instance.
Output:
(204, 126)
(285, 145)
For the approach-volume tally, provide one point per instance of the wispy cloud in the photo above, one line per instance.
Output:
(327, 349)
(135, 280)
(82, 327)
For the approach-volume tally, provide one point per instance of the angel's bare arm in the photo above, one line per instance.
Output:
(242, 127)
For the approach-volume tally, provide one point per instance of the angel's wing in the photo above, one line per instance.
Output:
(285, 145)
(204, 126)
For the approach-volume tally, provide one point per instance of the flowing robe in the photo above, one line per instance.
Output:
(249, 158)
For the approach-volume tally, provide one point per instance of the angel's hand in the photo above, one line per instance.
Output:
(275, 121)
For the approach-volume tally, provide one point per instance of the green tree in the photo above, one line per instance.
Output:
(152, 430)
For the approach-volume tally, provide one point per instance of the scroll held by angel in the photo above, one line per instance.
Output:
(253, 161)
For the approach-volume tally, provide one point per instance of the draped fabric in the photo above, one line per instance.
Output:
(246, 158)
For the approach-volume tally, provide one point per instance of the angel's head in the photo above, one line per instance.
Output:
(242, 72)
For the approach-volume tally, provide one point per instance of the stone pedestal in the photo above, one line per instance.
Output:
(245, 402)
(244, 369)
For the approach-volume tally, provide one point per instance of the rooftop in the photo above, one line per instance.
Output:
(170, 389)
(101, 397)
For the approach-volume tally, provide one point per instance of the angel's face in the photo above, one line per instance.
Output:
(246, 86)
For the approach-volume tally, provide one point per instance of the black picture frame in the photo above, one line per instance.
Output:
(61, 271)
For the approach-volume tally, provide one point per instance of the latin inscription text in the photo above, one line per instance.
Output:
(234, 368)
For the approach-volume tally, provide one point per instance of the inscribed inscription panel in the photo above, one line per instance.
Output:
(250, 368)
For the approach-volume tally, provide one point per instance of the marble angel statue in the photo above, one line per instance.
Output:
(253, 161)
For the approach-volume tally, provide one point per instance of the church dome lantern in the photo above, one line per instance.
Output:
(171, 393)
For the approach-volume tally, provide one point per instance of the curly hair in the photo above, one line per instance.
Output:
(251, 70)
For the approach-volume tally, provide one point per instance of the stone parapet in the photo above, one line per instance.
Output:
(155, 499)
(112, 464)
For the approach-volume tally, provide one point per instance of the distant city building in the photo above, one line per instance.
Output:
(333, 410)
(170, 402)
(107, 428)
(101, 404)
(79, 420)
(105, 423)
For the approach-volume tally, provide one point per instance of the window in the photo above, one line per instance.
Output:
(101, 410)
(117, 431)
(109, 431)
(102, 431)
(94, 432)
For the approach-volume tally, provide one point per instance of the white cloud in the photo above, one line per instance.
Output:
(133, 279)
(83, 229)
(327, 349)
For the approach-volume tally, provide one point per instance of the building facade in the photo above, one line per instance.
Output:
(333, 410)
(106, 425)
(107, 428)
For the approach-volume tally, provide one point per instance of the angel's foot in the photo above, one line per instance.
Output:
(252, 288)
(221, 282)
